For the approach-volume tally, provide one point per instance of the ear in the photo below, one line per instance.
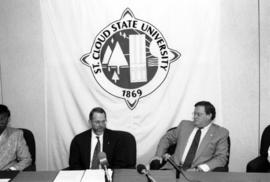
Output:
(209, 116)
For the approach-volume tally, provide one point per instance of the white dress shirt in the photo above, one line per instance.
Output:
(93, 145)
(204, 130)
(268, 157)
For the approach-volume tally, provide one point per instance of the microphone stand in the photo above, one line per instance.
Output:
(107, 175)
(179, 170)
(142, 170)
(150, 178)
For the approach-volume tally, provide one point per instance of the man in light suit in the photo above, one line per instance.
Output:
(212, 141)
(83, 145)
(14, 152)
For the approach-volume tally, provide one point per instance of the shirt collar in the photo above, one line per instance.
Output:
(206, 127)
(95, 135)
(3, 135)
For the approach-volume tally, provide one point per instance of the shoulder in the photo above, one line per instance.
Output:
(267, 129)
(220, 130)
(266, 132)
(83, 135)
(118, 135)
(123, 134)
(186, 123)
(109, 131)
(112, 133)
(14, 131)
(183, 126)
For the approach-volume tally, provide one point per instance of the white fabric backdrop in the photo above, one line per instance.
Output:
(1, 96)
(69, 28)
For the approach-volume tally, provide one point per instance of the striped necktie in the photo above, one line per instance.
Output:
(95, 160)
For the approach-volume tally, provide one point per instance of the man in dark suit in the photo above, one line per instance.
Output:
(262, 162)
(200, 144)
(84, 145)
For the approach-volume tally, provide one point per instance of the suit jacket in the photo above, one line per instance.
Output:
(81, 147)
(265, 142)
(13, 150)
(213, 149)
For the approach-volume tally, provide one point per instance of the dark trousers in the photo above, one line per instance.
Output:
(259, 164)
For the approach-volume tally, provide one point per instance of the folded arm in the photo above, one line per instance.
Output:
(22, 153)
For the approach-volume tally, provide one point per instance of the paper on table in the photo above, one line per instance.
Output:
(96, 175)
(4, 180)
(69, 176)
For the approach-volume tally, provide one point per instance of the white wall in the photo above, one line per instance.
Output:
(245, 77)
(240, 78)
(22, 68)
(264, 64)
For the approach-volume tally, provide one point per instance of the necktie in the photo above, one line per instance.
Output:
(95, 160)
(192, 150)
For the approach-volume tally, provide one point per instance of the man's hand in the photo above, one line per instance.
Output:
(155, 163)
(11, 169)
(166, 156)
(157, 158)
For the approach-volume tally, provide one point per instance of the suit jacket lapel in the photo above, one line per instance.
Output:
(105, 141)
(206, 140)
(87, 149)
(183, 140)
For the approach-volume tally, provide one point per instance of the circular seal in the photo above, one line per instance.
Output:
(130, 58)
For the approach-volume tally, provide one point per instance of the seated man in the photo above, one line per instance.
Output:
(14, 153)
(200, 144)
(262, 162)
(86, 145)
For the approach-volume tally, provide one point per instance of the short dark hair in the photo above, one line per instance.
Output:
(208, 107)
(4, 110)
(98, 110)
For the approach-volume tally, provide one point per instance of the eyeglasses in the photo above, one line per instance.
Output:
(99, 122)
(194, 114)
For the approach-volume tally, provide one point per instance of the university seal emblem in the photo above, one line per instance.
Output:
(130, 58)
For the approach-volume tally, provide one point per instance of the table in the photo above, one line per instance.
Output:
(123, 175)
(40, 176)
(130, 175)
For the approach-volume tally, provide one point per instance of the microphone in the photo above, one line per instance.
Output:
(169, 159)
(104, 163)
(142, 170)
